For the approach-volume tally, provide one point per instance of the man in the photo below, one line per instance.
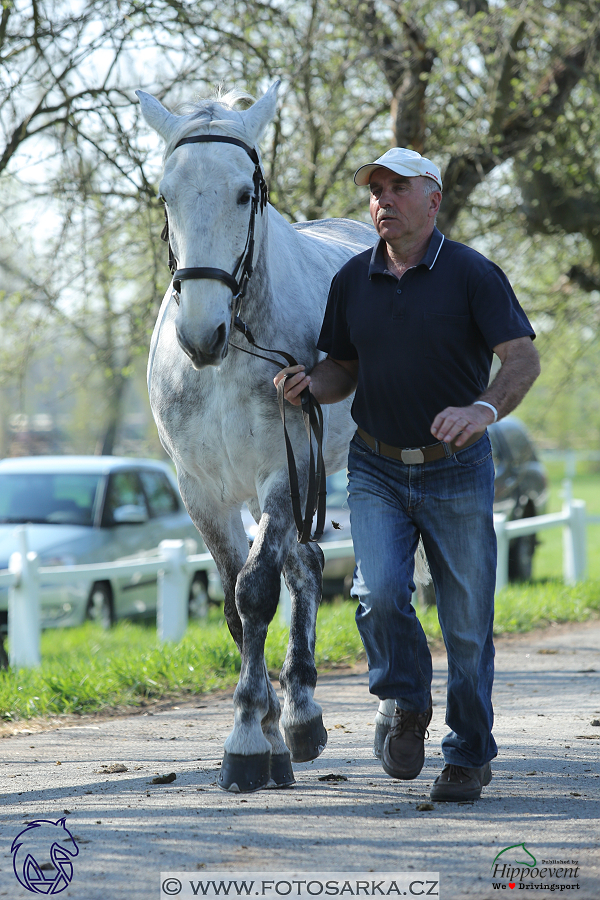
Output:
(411, 326)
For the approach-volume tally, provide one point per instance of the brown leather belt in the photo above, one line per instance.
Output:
(412, 456)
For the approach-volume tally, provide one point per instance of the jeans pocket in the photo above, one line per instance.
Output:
(475, 455)
(357, 445)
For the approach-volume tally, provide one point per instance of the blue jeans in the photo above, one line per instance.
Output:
(449, 503)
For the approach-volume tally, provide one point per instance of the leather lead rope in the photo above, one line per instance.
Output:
(312, 414)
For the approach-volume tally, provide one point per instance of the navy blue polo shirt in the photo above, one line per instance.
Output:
(424, 341)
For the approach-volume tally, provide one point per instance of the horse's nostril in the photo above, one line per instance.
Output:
(185, 345)
(219, 338)
(210, 353)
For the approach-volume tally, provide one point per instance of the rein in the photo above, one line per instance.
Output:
(311, 409)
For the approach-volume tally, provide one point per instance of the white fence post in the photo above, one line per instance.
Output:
(24, 629)
(502, 540)
(574, 543)
(173, 589)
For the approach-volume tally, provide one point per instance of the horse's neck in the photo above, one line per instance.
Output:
(285, 255)
(281, 298)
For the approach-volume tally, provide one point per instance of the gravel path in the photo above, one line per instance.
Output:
(545, 792)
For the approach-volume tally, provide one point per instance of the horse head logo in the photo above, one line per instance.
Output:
(529, 860)
(38, 848)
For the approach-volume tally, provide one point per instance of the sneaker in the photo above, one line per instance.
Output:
(456, 783)
(404, 748)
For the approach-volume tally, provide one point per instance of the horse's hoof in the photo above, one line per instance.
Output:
(381, 731)
(243, 774)
(306, 741)
(282, 774)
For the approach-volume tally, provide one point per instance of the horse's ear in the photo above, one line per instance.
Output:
(156, 115)
(261, 113)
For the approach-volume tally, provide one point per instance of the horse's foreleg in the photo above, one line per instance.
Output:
(281, 773)
(248, 749)
(302, 719)
(246, 764)
(280, 766)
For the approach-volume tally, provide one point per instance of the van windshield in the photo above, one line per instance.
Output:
(62, 498)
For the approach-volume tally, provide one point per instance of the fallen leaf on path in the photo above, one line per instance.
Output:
(164, 779)
(332, 777)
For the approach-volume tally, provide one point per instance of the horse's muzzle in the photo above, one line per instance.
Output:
(211, 354)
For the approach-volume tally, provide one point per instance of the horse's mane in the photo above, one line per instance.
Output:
(218, 111)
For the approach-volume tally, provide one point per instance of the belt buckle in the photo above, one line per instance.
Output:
(412, 457)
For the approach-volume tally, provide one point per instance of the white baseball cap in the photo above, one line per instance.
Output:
(403, 162)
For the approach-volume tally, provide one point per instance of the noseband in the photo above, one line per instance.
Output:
(311, 410)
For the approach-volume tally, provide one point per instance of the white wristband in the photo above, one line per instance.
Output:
(489, 406)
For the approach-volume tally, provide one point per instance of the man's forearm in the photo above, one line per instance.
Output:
(516, 375)
(520, 368)
(330, 382)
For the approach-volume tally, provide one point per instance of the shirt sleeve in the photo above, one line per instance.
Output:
(334, 338)
(497, 312)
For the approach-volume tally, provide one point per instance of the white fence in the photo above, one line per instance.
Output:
(173, 569)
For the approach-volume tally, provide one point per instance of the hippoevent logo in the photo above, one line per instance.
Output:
(42, 855)
(516, 868)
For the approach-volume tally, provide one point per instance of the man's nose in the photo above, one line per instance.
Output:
(385, 198)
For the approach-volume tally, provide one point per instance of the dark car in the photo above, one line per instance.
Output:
(520, 488)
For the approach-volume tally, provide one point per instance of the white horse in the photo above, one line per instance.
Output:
(216, 407)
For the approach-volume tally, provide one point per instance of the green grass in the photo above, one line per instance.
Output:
(86, 670)
(548, 558)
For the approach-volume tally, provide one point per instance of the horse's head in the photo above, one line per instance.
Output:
(209, 189)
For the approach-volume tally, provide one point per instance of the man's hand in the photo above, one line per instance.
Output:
(461, 420)
(330, 381)
(295, 384)
(520, 367)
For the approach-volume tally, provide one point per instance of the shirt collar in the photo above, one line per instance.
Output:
(377, 264)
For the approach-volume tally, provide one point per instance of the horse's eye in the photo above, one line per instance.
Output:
(244, 198)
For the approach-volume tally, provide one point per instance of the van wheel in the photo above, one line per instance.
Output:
(520, 557)
(100, 608)
(198, 599)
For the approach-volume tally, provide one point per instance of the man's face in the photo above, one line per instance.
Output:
(398, 205)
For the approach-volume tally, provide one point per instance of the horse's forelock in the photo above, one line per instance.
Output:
(211, 113)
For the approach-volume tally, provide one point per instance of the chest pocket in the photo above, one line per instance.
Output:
(445, 337)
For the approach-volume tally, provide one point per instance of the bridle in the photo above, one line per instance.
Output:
(244, 263)
(237, 281)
